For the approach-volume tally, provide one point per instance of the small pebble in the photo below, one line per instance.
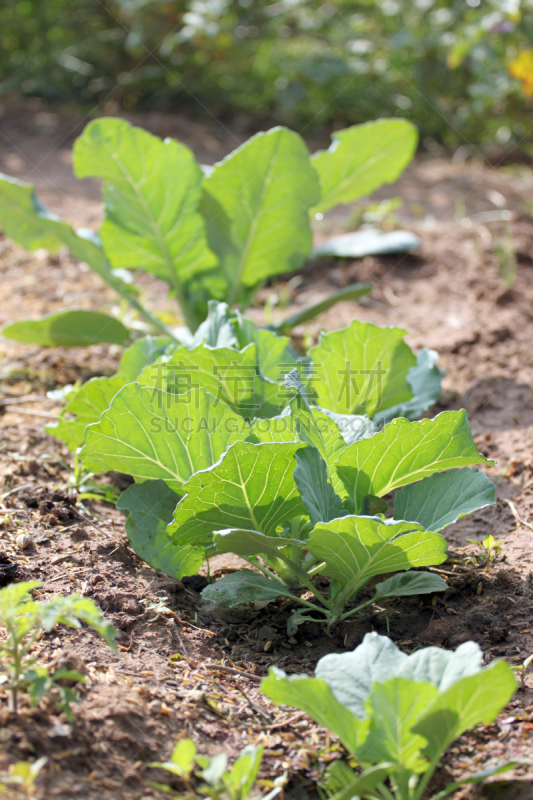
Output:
(154, 706)
(24, 540)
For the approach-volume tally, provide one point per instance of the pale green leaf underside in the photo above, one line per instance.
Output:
(351, 675)
(405, 452)
(150, 506)
(363, 158)
(256, 208)
(361, 369)
(444, 498)
(355, 549)
(68, 329)
(152, 190)
(152, 434)
(86, 406)
(252, 487)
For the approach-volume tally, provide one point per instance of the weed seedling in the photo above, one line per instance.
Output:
(24, 621)
(236, 783)
(490, 549)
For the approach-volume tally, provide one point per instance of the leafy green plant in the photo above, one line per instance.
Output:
(214, 233)
(24, 620)
(490, 549)
(397, 713)
(291, 475)
(219, 781)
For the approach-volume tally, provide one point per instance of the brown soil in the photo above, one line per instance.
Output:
(176, 674)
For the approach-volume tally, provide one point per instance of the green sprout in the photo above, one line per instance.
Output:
(490, 549)
(24, 620)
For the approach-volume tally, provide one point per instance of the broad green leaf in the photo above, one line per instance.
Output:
(252, 487)
(152, 434)
(425, 382)
(150, 506)
(356, 549)
(405, 452)
(256, 208)
(67, 329)
(361, 369)
(141, 353)
(406, 584)
(317, 493)
(353, 292)
(250, 543)
(241, 587)
(232, 376)
(314, 696)
(368, 242)
(151, 194)
(85, 407)
(25, 220)
(361, 159)
(470, 701)
(444, 498)
(393, 708)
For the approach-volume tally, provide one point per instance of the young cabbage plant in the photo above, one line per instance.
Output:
(396, 713)
(216, 232)
(23, 620)
(295, 494)
(218, 780)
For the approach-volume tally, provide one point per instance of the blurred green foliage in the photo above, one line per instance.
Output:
(442, 63)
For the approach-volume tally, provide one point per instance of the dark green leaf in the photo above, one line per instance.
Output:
(150, 506)
(241, 587)
(317, 493)
(444, 498)
(410, 583)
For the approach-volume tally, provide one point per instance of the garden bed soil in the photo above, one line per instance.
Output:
(185, 670)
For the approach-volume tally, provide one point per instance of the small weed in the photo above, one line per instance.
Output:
(24, 621)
